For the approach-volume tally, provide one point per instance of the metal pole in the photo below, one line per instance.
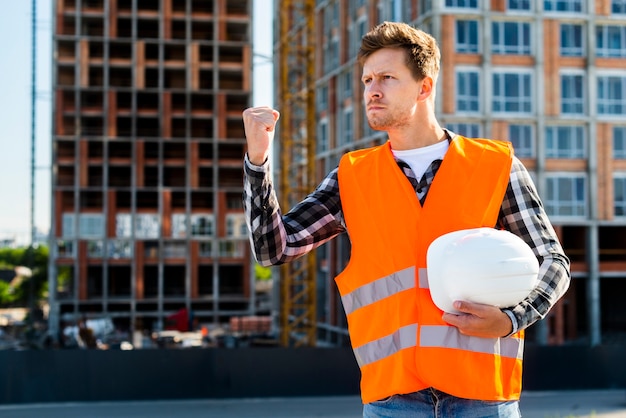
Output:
(33, 99)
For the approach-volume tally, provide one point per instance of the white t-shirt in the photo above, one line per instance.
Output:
(419, 159)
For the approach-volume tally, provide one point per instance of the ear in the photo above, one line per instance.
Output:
(427, 88)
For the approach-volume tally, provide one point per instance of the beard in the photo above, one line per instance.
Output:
(381, 123)
(389, 118)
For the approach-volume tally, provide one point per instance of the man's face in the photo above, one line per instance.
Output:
(391, 93)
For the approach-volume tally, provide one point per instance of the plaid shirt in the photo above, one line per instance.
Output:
(278, 239)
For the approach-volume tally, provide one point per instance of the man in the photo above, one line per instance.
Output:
(385, 199)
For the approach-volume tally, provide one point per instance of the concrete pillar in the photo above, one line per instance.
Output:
(593, 287)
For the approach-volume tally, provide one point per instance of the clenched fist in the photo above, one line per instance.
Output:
(259, 124)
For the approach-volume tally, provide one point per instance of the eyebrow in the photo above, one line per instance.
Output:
(377, 73)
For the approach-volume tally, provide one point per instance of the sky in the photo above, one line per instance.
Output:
(16, 108)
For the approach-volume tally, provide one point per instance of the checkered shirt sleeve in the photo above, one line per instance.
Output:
(278, 239)
(523, 214)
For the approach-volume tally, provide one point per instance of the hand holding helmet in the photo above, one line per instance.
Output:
(481, 265)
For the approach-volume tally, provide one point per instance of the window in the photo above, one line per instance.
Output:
(322, 135)
(354, 5)
(95, 249)
(618, 6)
(611, 41)
(230, 226)
(563, 5)
(425, 6)
(347, 84)
(123, 225)
(236, 226)
(357, 30)
(465, 4)
(409, 6)
(566, 195)
(512, 93)
(572, 94)
(383, 12)
(175, 249)
(179, 225)
(611, 95)
(333, 12)
(401, 10)
(366, 128)
(571, 40)
(619, 142)
(467, 36)
(91, 225)
(68, 229)
(565, 142)
(522, 138)
(619, 194)
(518, 4)
(322, 98)
(65, 248)
(467, 91)
(344, 126)
(511, 38)
(205, 249)
(231, 248)
(470, 130)
(202, 225)
(120, 249)
(331, 47)
(146, 226)
(333, 53)
(362, 30)
(151, 249)
(347, 126)
(353, 42)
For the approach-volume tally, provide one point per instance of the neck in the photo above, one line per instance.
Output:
(423, 136)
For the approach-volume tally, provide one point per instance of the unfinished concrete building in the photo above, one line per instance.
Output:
(148, 144)
(547, 75)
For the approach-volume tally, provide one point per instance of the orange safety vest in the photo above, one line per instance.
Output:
(399, 339)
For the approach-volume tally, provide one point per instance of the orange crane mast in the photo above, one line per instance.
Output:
(296, 98)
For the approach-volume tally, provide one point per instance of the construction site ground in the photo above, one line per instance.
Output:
(552, 404)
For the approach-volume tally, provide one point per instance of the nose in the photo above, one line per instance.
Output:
(372, 90)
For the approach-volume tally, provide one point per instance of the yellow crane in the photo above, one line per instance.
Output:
(296, 98)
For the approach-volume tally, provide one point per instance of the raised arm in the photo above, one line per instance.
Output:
(275, 238)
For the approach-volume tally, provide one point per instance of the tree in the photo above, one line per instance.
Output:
(262, 273)
(18, 294)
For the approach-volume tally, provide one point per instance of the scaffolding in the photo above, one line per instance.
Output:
(297, 159)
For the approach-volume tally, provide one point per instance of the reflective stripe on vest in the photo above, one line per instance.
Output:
(450, 337)
(441, 336)
(382, 288)
(404, 337)
(379, 289)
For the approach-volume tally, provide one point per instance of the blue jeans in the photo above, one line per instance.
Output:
(436, 404)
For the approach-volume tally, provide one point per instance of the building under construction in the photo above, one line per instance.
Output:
(148, 144)
(548, 76)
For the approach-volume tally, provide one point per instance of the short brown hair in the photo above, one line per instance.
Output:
(422, 51)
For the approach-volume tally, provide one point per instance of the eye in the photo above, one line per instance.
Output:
(367, 80)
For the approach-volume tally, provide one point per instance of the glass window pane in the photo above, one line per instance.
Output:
(565, 189)
(580, 189)
(147, 225)
(123, 225)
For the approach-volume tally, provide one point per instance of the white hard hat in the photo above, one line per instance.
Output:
(482, 265)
